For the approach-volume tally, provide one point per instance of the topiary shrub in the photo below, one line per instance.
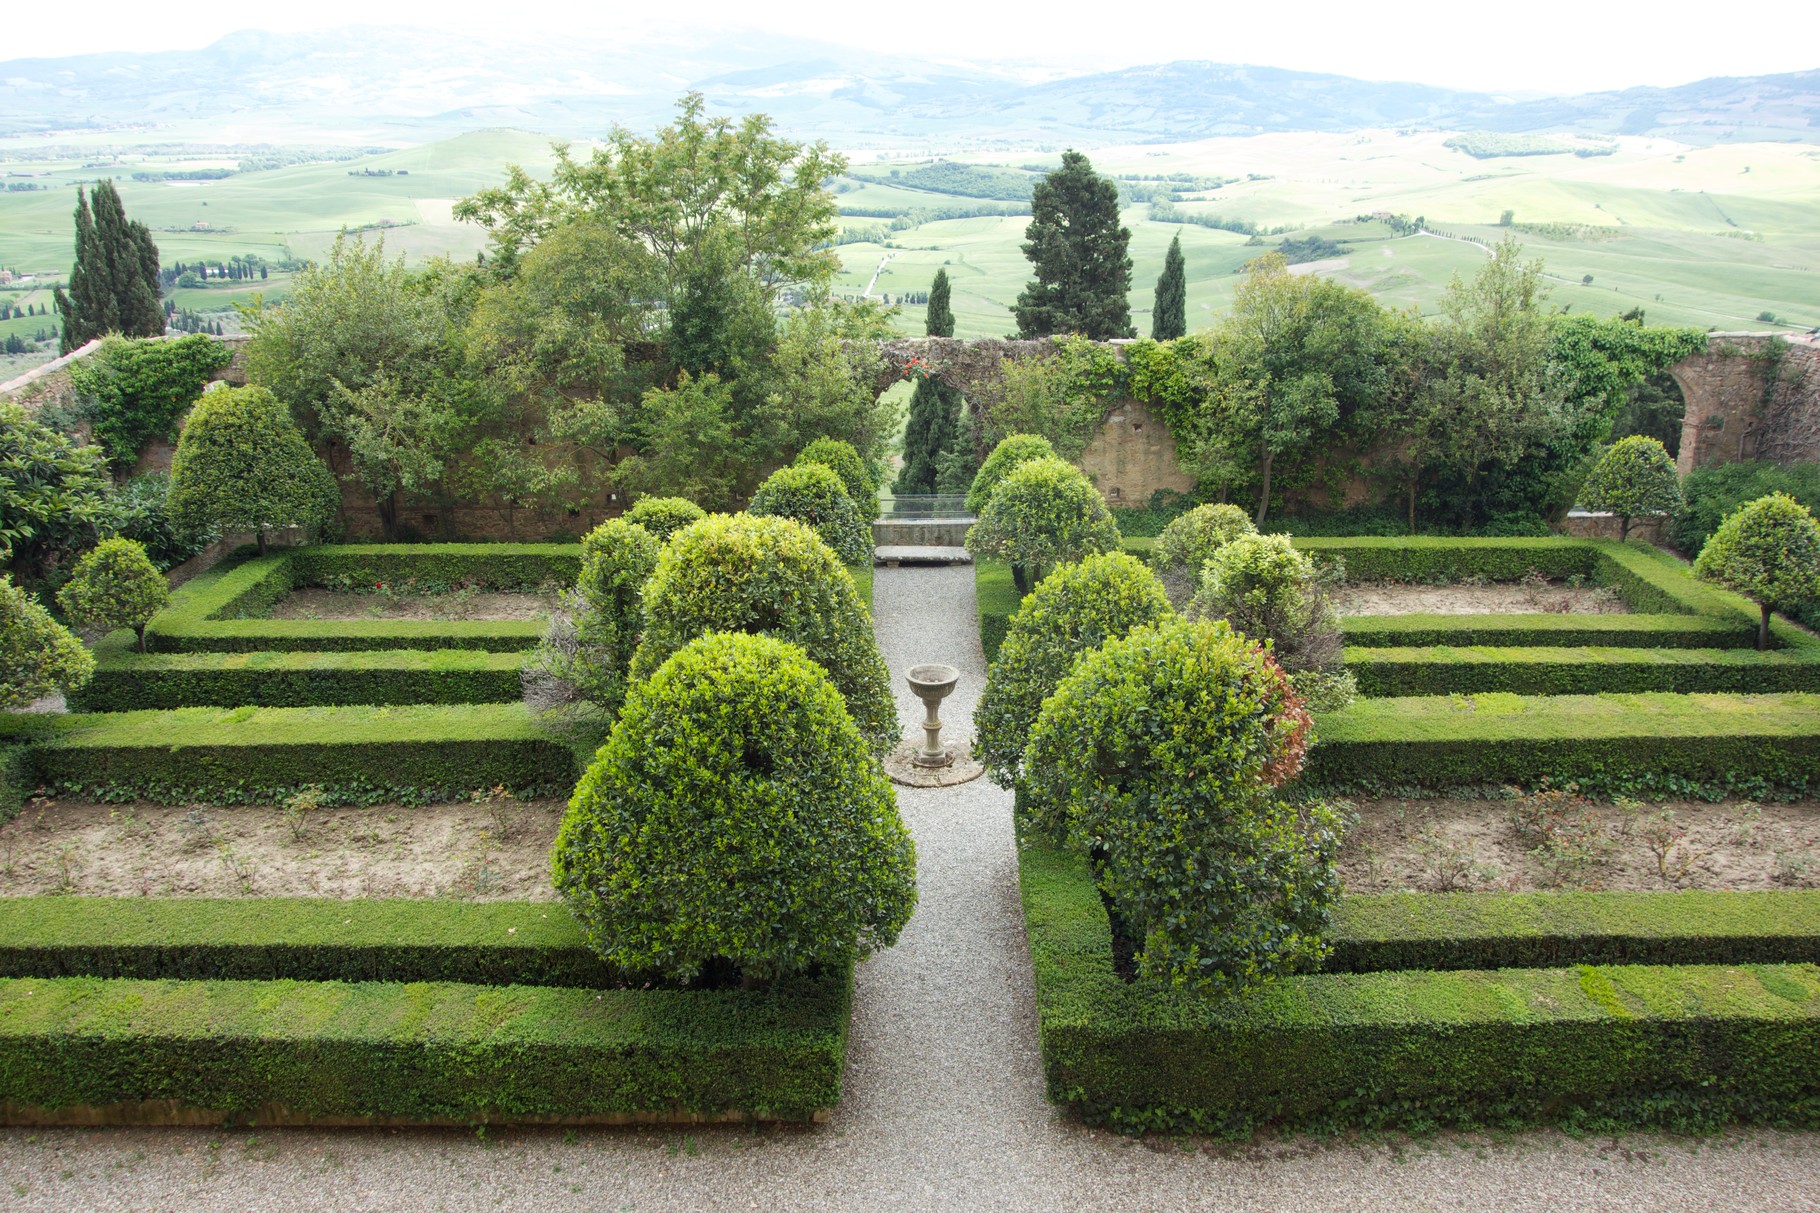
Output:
(38, 655)
(1635, 478)
(588, 649)
(1714, 492)
(813, 495)
(736, 818)
(1072, 611)
(772, 577)
(1769, 551)
(1270, 592)
(855, 476)
(115, 585)
(1187, 543)
(1012, 450)
(243, 465)
(662, 517)
(1043, 512)
(1159, 755)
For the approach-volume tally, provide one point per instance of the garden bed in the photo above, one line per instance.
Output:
(1549, 598)
(311, 603)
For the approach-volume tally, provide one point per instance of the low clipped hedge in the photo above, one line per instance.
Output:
(1636, 743)
(127, 681)
(1586, 670)
(422, 1052)
(1594, 1045)
(295, 938)
(1557, 631)
(251, 753)
(1385, 931)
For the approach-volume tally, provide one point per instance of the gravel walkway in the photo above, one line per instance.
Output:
(944, 1107)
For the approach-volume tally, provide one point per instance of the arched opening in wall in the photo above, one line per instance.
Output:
(932, 454)
(1655, 409)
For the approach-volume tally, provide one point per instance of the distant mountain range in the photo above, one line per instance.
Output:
(384, 84)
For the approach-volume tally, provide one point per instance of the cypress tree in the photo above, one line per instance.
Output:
(940, 319)
(113, 286)
(1169, 317)
(1081, 256)
(929, 432)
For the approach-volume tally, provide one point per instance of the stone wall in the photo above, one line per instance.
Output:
(1750, 396)
(1133, 456)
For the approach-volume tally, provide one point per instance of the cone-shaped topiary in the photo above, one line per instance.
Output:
(38, 655)
(1071, 612)
(1636, 478)
(1769, 551)
(664, 516)
(115, 585)
(586, 654)
(243, 465)
(735, 816)
(813, 495)
(855, 476)
(1012, 450)
(1189, 542)
(1042, 513)
(772, 577)
(1159, 755)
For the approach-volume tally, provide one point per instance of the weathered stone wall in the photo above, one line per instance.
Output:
(1133, 455)
(1750, 396)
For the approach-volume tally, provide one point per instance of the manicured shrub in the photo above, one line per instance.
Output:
(813, 495)
(1073, 611)
(115, 585)
(1769, 551)
(772, 577)
(1012, 450)
(586, 652)
(664, 516)
(1187, 543)
(855, 476)
(735, 816)
(243, 465)
(37, 654)
(1635, 478)
(1274, 594)
(1716, 491)
(1159, 755)
(1043, 512)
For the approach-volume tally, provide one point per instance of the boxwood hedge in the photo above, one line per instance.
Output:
(1586, 670)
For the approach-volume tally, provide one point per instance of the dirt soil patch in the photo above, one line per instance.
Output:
(439, 608)
(1555, 598)
(1559, 841)
(485, 851)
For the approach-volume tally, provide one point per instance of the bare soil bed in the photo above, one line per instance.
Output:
(439, 608)
(485, 851)
(1559, 841)
(1555, 598)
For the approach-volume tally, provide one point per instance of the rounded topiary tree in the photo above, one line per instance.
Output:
(1071, 612)
(586, 651)
(1635, 478)
(813, 495)
(1043, 512)
(1012, 450)
(773, 577)
(38, 655)
(664, 516)
(1769, 551)
(115, 585)
(1188, 542)
(1270, 592)
(243, 465)
(1159, 755)
(735, 817)
(855, 476)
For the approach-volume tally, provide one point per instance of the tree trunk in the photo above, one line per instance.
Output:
(1412, 504)
(1763, 630)
(1020, 578)
(388, 516)
(141, 630)
(259, 533)
(1264, 493)
(1623, 528)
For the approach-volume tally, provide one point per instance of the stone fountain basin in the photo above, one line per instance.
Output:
(933, 681)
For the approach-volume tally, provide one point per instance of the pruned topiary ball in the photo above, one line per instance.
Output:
(664, 516)
(1769, 551)
(1189, 542)
(855, 475)
(770, 577)
(1043, 512)
(813, 494)
(735, 815)
(1012, 450)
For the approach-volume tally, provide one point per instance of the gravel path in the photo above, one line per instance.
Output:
(944, 1107)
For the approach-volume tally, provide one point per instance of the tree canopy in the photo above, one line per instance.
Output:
(113, 285)
(1081, 256)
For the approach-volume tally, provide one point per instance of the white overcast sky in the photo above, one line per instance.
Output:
(1512, 46)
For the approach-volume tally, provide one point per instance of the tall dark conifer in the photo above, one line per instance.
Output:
(1082, 257)
(113, 286)
(1169, 316)
(939, 321)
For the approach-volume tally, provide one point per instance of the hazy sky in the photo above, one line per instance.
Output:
(1541, 45)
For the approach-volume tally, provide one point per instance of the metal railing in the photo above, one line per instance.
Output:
(924, 507)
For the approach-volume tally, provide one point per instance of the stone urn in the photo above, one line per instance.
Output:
(932, 683)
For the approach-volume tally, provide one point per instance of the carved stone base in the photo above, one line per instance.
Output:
(900, 765)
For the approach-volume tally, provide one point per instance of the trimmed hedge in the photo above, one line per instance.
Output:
(1588, 670)
(1546, 930)
(209, 613)
(1423, 558)
(1523, 631)
(1651, 742)
(251, 753)
(997, 600)
(1680, 1046)
(127, 681)
(252, 1051)
(296, 938)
